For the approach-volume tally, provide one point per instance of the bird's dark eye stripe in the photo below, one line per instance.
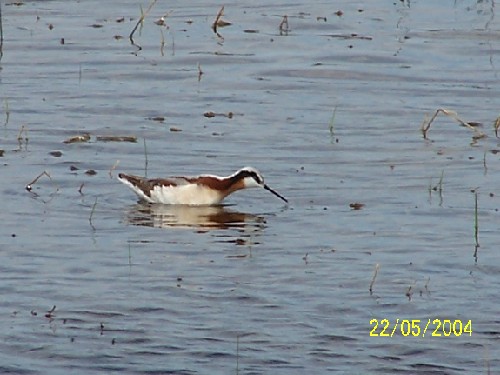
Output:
(252, 174)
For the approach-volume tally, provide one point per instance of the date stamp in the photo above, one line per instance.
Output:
(420, 328)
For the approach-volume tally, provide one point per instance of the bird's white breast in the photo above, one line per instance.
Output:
(191, 194)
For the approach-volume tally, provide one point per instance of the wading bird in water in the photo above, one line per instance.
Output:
(204, 189)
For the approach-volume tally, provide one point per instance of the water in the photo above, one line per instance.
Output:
(330, 112)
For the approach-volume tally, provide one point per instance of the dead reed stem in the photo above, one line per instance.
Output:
(200, 72)
(284, 27)
(140, 22)
(29, 186)
(24, 130)
(496, 125)
(220, 13)
(427, 123)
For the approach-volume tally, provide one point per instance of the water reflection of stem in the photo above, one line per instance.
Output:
(145, 159)
(377, 266)
(92, 214)
(484, 164)
(438, 188)
(129, 256)
(426, 286)
(237, 353)
(162, 43)
(7, 112)
(476, 225)
(331, 125)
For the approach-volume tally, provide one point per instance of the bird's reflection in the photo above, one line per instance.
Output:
(199, 217)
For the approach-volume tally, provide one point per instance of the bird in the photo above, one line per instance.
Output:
(204, 189)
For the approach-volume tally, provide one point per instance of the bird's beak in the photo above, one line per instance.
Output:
(274, 192)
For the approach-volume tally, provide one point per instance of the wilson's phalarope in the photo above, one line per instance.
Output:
(200, 190)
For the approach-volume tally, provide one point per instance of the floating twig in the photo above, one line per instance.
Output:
(356, 206)
(81, 188)
(161, 21)
(211, 114)
(377, 266)
(132, 139)
(427, 123)
(78, 138)
(284, 27)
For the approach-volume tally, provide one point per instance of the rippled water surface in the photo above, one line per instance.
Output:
(329, 109)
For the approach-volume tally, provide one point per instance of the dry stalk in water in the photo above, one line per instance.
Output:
(284, 27)
(219, 22)
(497, 125)
(140, 22)
(20, 138)
(427, 123)
(29, 186)
(200, 72)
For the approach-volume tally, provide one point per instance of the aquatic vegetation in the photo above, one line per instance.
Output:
(470, 125)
